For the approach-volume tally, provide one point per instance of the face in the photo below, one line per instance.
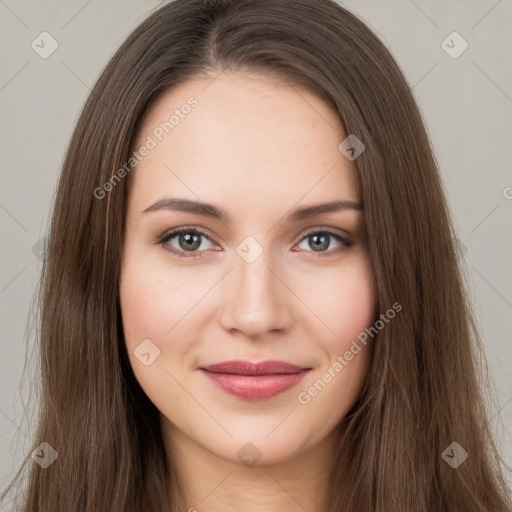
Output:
(258, 275)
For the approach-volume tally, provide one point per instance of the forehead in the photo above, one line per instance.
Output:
(248, 139)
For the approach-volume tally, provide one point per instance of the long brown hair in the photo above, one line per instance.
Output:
(425, 388)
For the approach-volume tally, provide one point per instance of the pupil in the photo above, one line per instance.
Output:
(317, 244)
(192, 241)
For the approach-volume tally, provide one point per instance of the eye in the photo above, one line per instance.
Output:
(320, 241)
(188, 240)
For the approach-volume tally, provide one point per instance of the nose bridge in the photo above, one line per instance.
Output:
(252, 261)
(254, 279)
(256, 300)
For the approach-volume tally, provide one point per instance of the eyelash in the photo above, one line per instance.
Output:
(197, 254)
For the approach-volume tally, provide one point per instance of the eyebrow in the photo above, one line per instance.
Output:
(209, 210)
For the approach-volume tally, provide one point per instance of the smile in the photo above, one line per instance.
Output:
(254, 381)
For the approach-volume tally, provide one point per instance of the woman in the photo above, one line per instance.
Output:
(251, 297)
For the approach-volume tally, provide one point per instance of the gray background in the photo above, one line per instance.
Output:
(466, 103)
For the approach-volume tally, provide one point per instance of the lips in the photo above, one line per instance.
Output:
(254, 381)
(246, 368)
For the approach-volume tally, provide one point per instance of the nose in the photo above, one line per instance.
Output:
(256, 300)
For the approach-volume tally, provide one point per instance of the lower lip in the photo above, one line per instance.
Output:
(252, 387)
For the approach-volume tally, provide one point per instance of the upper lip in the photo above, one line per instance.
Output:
(247, 368)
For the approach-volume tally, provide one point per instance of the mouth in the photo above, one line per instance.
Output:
(254, 381)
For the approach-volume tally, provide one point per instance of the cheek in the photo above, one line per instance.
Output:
(148, 310)
(348, 310)
(344, 301)
(336, 385)
(154, 296)
(164, 305)
(154, 306)
(356, 313)
(142, 305)
(352, 307)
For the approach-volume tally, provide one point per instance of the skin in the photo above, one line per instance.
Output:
(257, 148)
